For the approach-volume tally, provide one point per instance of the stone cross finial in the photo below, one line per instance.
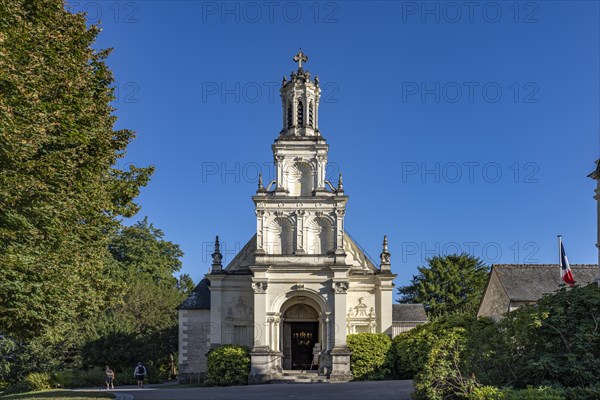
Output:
(300, 58)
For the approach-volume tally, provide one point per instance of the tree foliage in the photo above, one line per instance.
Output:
(142, 324)
(61, 194)
(448, 284)
(556, 342)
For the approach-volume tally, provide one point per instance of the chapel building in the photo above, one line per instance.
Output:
(301, 283)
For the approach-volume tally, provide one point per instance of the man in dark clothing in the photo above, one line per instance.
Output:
(140, 374)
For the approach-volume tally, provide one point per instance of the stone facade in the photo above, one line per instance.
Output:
(194, 327)
(301, 283)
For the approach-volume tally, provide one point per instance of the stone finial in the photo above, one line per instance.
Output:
(385, 256)
(284, 81)
(317, 80)
(260, 183)
(340, 187)
(217, 257)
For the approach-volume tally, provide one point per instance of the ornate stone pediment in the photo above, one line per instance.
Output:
(358, 316)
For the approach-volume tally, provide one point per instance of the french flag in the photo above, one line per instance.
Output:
(565, 268)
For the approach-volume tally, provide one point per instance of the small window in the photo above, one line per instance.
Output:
(300, 114)
(289, 115)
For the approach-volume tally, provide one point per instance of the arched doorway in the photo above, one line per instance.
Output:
(301, 336)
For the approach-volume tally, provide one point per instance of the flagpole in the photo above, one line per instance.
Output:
(559, 258)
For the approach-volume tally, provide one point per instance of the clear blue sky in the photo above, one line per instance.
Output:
(457, 126)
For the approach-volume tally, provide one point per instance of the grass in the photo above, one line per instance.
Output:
(59, 394)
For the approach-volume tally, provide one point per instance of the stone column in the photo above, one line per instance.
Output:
(300, 231)
(277, 332)
(340, 354)
(270, 328)
(383, 304)
(216, 313)
(264, 362)
(259, 231)
(339, 230)
(279, 166)
(321, 162)
(260, 314)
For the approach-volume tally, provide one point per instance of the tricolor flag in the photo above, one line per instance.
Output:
(565, 268)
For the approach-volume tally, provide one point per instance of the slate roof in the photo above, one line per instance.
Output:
(408, 313)
(529, 282)
(199, 299)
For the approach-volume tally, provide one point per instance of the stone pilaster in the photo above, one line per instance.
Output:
(340, 354)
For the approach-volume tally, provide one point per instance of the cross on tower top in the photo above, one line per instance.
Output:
(300, 58)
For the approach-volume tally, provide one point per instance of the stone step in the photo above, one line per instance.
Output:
(299, 377)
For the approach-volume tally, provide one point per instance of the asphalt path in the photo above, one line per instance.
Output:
(380, 390)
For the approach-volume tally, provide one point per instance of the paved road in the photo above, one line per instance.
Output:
(382, 390)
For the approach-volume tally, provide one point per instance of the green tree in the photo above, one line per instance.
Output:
(141, 251)
(61, 194)
(556, 340)
(448, 284)
(142, 324)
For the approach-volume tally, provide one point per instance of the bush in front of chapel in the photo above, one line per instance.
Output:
(370, 360)
(228, 365)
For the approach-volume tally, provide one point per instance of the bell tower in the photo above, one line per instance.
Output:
(300, 213)
(300, 102)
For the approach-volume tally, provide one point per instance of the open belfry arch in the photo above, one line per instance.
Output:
(301, 283)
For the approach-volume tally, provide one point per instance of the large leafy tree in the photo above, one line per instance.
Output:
(140, 250)
(556, 340)
(448, 284)
(142, 324)
(61, 196)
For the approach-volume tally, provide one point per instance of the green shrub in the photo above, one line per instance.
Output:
(410, 349)
(486, 393)
(555, 341)
(539, 393)
(440, 379)
(370, 358)
(19, 387)
(228, 365)
(583, 393)
(38, 381)
(73, 378)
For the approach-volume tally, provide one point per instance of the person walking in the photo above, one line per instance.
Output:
(110, 378)
(140, 374)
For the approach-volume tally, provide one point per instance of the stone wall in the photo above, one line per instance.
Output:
(194, 328)
(495, 302)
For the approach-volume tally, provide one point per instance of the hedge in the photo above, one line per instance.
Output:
(228, 365)
(370, 360)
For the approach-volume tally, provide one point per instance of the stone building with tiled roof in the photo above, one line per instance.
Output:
(406, 317)
(511, 286)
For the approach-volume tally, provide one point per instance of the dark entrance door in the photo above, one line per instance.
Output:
(304, 337)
